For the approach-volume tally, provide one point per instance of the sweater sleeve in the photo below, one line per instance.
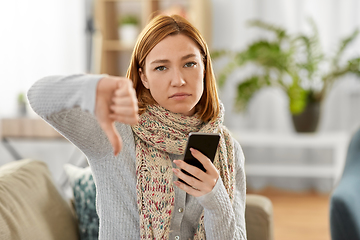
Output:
(222, 219)
(67, 103)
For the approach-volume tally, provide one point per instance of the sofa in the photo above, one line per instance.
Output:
(33, 208)
(344, 200)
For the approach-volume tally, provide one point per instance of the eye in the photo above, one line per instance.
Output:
(160, 68)
(190, 64)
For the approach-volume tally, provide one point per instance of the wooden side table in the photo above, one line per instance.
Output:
(34, 129)
(24, 128)
(337, 141)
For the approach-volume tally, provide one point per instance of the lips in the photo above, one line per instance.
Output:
(180, 96)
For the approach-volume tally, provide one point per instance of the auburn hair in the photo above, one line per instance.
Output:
(157, 29)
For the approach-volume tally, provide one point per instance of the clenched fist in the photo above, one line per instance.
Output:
(115, 101)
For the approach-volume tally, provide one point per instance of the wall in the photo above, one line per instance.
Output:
(38, 38)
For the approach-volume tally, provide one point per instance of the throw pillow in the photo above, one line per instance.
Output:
(84, 191)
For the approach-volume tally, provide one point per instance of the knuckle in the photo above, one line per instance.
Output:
(134, 104)
(183, 186)
(191, 182)
(120, 118)
(129, 85)
(116, 110)
(127, 80)
(197, 171)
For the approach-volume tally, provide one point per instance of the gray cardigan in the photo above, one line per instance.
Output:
(68, 104)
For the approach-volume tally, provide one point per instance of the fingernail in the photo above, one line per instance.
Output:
(175, 170)
(177, 162)
(176, 183)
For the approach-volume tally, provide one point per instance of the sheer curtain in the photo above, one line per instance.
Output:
(268, 110)
(38, 38)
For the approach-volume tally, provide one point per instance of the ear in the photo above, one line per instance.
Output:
(143, 78)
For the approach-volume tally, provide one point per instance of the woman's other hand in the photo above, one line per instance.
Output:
(206, 180)
(115, 101)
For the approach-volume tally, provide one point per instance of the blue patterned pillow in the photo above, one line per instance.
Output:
(83, 186)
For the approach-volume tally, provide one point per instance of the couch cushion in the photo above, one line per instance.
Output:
(259, 217)
(82, 183)
(30, 206)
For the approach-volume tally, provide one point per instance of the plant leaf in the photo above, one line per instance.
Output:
(313, 53)
(218, 54)
(246, 89)
(343, 45)
(354, 65)
(227, 70)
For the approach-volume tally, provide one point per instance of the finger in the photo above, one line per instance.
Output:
(124, 88)
(132, 120)
(193, 182)
(196, 172)
(124, 110)
(122, 92)
(113, 136)
(188, 189)
(125, 82)
(126, 101)
(204, 160)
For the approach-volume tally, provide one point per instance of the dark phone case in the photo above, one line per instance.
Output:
(206, 143)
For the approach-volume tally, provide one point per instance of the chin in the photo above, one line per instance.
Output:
(185, 110)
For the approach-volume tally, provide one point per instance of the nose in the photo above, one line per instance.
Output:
(177, 79)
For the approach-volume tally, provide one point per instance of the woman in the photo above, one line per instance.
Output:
(134, 130)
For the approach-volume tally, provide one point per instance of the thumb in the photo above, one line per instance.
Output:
(113, 136)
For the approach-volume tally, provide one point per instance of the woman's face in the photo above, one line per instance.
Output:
(174, 74)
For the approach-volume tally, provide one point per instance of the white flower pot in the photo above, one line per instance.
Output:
(128, 33)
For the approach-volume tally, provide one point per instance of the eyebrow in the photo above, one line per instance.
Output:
(166, 60)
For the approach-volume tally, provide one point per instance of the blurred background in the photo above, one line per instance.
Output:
(273, 59)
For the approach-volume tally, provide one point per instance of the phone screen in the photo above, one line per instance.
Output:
(206, 143)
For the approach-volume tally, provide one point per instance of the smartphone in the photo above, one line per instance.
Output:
(206, 143)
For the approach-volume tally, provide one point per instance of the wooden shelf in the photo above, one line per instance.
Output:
(26, 128)
(109, 49)
(124, 0)
(116, 45)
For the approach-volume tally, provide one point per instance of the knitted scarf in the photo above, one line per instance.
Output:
(158, 134)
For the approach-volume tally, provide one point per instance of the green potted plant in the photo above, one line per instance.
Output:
(21, 100)
(128, 29)
(293, 63)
